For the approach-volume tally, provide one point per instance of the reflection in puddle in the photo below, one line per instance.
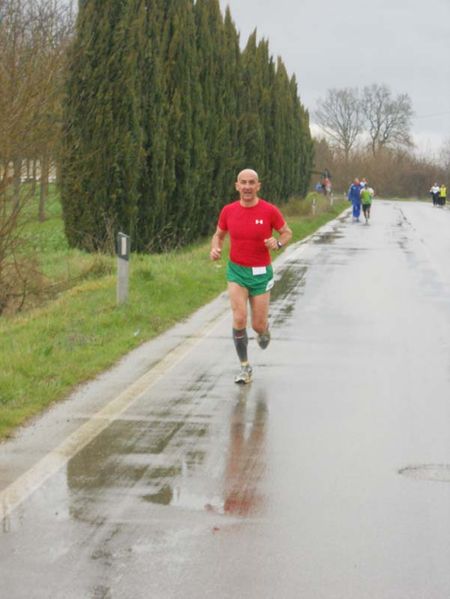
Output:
(246, 460)
(161, 463)
(286, 291)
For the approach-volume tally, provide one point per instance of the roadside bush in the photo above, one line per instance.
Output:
(313, 204)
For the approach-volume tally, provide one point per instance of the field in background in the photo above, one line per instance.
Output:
(78, 331)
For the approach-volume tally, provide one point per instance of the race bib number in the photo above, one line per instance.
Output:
(259, 270)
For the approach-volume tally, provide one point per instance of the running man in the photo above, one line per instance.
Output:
(250, 222)
(434, 192)
(442, 195)
(366, 201)
(354, 196)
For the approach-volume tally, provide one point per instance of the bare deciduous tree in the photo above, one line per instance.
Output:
(33, 40)
(444, 157)
(387, 119)
(339, 115)
(33, 35)
(52, 29)
(395, 172)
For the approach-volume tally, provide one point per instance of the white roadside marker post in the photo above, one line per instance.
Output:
(123, 262)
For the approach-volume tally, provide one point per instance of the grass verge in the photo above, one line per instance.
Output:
(46, 352)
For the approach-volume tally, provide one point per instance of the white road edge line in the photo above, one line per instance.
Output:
(16, 493)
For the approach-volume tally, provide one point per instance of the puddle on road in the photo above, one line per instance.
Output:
(285, 293)
(404, 224)
(129, 452)
(327, 237)
(162, 497)
(161, 461)
(431, 472)
(146, 453)
(293, 279)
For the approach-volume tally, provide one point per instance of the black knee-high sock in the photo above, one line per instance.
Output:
(240, 342)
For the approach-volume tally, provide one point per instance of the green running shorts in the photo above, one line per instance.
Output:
(257, 280)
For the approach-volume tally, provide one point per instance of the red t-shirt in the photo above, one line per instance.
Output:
(248, 227)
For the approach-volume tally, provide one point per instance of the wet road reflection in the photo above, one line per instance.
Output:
(246, 461)
(329, 469)
(159, 461)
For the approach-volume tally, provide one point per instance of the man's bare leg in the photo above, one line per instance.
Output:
(260, 318)
(239, 299)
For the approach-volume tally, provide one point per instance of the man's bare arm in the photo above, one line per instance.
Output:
(285, 235)
(217, 243)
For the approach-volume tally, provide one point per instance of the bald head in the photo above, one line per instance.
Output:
(248, 173)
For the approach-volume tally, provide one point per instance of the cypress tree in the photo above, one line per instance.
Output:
(300, 143)
(102, 149)
(251, 130)
(279, 152)
(152, 202)
(233, 160)
(265, 83)
(185, 150)
(305, 144)
(210, 52)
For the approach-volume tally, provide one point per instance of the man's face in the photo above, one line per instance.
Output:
(248, 186)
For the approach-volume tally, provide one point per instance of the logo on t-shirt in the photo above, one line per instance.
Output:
(259, 221)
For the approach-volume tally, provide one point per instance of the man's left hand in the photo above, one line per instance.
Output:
(271, 243)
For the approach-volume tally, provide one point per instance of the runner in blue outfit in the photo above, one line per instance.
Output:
(354, 196)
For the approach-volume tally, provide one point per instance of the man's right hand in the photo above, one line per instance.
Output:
(215, 253)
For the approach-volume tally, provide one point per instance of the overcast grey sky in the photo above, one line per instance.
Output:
(353, 43)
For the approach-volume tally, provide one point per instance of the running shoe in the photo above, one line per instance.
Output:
(245, 375)
(263, 339)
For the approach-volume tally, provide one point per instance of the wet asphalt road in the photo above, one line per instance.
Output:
(327, 477)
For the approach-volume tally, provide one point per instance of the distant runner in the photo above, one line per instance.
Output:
(442, 195)
(434, 192)
(354, 196)
(366, 201)
(250, 222)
